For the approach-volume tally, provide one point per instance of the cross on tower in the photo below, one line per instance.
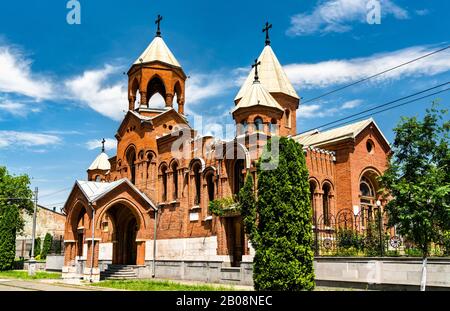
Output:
(103, 145)
(266, 30)
(255, 65)
(158, 22)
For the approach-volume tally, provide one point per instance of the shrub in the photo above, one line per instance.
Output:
(48, 240)
(282, 234)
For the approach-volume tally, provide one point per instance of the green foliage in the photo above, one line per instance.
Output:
(159, 285)
(283, 235)
(220, 206)
(37, 248)
(351, 251)
(348, 238)
(446, 243)
(48, 240)
(418, 179)
(247, 205)
(413, 252)
(21, 274)
(15, 196)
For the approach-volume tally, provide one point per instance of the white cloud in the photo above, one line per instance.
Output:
(351, 104)
(91, 90)
(334, 72)
(321, 110)
(337, 16)
(201, 86)
(110, 144)
(314, 111)
(16, 108)
(17, 77)
(27, 139)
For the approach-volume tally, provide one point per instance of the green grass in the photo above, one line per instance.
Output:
(158, 285)
(23, 275)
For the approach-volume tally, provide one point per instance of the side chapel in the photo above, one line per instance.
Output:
(145, 193)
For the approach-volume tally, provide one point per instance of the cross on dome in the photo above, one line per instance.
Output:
(266, 30)
(255, 65)
(158, 22)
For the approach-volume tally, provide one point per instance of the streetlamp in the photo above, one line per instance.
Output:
(32, 261)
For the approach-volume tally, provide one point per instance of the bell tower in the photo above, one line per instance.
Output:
(275, 81)
(156, 71)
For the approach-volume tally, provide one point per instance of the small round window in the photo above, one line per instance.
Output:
(370, 146)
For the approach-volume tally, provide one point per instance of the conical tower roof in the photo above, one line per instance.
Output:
(157, 51)
(257, 95)
(100, 163)
(271, 75)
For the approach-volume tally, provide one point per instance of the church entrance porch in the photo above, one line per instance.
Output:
(123, 232)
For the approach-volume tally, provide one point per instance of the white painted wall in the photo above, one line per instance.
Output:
(202, 249)
(105, 251)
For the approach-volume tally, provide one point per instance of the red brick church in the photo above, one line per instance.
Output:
(158, 185)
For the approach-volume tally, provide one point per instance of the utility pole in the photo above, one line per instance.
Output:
(32, 261)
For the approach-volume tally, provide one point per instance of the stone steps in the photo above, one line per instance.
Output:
(118, 272)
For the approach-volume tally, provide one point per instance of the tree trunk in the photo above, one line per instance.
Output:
(423, 280)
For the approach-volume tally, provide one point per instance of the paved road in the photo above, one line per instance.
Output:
(21, 285)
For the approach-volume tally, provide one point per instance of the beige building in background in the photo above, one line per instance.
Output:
(47, 221)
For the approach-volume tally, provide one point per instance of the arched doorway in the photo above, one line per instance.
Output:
(125, 231)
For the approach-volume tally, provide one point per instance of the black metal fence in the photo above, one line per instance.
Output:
(363, 234)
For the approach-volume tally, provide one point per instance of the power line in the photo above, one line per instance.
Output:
(380, 106)
(386, 109)
(375, 75)
(56, 192)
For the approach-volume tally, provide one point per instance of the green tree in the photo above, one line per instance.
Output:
(279, 220)
(48, 240)
(15, 196)
(418, 180)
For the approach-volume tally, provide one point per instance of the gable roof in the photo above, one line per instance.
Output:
(157, 50)
(271, 75)
(257, 95)
(317, 138)
(94, 191)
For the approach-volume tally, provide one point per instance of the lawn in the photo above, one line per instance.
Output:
(158, 285)
(23, 275)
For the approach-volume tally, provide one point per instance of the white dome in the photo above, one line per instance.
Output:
(100, 163)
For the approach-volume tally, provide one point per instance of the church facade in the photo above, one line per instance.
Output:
(147, 206)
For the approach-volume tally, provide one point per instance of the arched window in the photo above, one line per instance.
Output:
(131, 158)
(367, 191)
(259, 125)
(149, 166)
(326, 204)
(156, 91)
(273, 126)
(238, 176)
(175, 180)
(287, 115)
(197, 181)
(164, 183)
(312, 190)
(210, 185)
(367, 199)
(98, 178)
(243, 127)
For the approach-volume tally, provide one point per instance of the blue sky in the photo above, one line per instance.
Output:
(62, 86)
